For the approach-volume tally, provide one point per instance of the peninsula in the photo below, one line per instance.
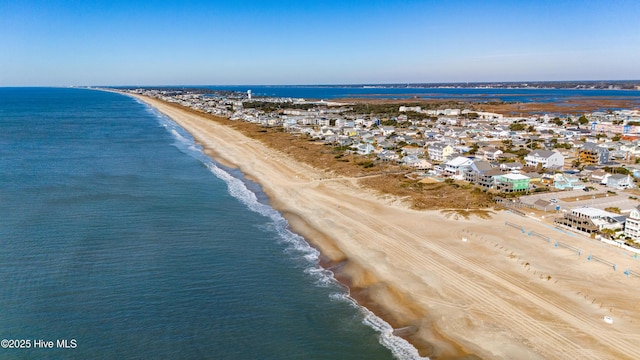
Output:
(455, 287)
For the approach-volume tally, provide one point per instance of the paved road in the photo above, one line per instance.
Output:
(620, 199)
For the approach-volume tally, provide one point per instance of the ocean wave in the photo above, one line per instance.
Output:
(297, 246)
(400, 348)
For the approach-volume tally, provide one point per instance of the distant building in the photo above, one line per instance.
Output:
(410, 108)
(387, 130)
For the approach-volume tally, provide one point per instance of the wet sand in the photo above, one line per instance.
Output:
(501, 294)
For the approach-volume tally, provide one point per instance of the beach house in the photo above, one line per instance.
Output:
(364, 149)
(620, 181)
(490, 153)
(481, 173)
(591, 153)
(439, 151)
(456, 167)
(567, 182)
(546, 159)
(591, 220)
(632, 225)
(509, 183)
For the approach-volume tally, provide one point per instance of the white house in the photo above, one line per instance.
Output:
(416, 163)
(456, 168)
(365, 149)
(545, 158)
(387, 130)
(632, 225)
(491, 154)
(620, 181)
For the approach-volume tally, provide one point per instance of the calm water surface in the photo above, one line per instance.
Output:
(117, 232)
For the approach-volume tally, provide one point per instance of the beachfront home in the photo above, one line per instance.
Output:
(512, 183)
(481, 173)
(414, 162)
(476, 169)
(456, 168)
(632, 225)
(591, 220)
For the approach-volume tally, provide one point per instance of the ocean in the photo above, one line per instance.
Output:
(120, 239)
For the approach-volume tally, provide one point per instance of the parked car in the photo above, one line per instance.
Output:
(554, 200)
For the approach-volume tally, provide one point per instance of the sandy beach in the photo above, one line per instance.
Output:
(456, 288)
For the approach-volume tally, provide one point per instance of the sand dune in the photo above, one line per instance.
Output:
(501, 294)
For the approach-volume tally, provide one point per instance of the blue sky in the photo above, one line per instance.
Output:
(60, 43)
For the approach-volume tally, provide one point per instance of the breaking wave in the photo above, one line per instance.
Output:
(297, 246)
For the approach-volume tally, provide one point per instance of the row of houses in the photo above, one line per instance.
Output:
(444, 144)
(589, 153)
(510, 178)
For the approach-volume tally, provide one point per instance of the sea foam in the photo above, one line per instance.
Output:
(297, 247)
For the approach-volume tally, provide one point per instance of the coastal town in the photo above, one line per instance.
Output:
(579, 171)
(564, 263)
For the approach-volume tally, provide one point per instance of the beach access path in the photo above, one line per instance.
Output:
(474, 286)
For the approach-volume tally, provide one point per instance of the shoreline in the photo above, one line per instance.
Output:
(451, 299)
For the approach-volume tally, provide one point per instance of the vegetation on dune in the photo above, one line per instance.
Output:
(384, 177)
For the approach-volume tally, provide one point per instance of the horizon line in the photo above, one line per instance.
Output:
(522, 82)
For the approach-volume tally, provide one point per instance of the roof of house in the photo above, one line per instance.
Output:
(438, 145)
(511, 176)
(459, 161)
(482, 165)
(541, 203)
(542, 153)
(512, 164)
(618, 177)
(593, 146)
(493, 172)
(591, 212)
(533, 175)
